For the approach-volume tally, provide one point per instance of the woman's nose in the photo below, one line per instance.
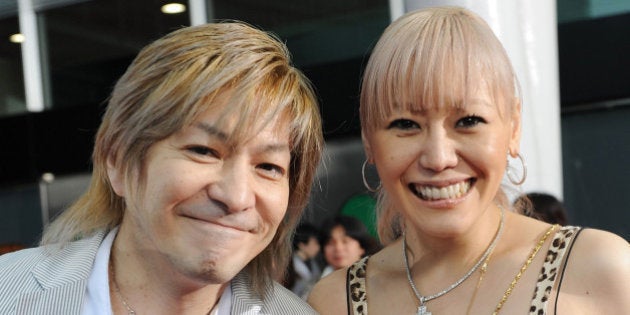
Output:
(438, 151)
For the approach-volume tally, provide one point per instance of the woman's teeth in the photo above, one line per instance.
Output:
(447, 192)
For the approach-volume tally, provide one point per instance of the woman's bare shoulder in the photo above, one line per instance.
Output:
(329, 294)
(601, 250)
(598, 270)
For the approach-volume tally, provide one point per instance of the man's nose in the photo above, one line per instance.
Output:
(234, 187)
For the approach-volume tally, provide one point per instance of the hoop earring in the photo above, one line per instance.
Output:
(365, 182)
(510, 175)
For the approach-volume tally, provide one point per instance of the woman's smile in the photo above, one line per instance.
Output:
(451, 191)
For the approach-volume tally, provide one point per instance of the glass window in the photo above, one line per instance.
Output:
(593, 50)
(12, 100)
(87, 46)
(329, 40)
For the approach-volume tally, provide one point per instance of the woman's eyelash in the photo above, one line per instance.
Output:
(402, 124)
(470, 120)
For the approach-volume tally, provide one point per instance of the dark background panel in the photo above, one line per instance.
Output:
(594, 58)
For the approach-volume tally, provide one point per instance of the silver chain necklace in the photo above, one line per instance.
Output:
(422, 308)
(130, 310)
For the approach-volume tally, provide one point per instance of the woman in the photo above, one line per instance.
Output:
(345, 240)
(440, 118)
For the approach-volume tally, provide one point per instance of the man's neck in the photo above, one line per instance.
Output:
(150, 285)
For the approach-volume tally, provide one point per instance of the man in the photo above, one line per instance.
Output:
(202, 166)
(304, 271)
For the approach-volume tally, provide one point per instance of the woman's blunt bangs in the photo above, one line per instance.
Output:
(433, 59)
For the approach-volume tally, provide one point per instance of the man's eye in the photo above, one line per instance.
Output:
(470, 121)
(201, 150)
(403, 124)
(273, 170)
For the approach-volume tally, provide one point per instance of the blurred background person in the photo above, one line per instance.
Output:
(345, 240)
(304, 269)
(544, 207)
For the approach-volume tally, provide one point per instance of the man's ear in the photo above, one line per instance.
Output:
(515, 132)
(116, 178)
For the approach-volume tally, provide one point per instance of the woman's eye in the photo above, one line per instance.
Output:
(403, 124)
(273, 170)
(470, 121)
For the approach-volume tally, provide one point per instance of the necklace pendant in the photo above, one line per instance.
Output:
(422, 310)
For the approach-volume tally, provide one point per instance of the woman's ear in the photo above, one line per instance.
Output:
(115, 176)
(515, 130)
(367, 148)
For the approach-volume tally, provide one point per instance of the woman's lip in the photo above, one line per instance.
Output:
(442, 183)
(453, 191)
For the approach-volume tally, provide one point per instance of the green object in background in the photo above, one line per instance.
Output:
(362, 207)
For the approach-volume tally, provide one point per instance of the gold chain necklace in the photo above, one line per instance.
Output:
(518, 276)
(422, 308)
(482, 272)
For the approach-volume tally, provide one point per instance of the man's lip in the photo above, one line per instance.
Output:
(219, 223)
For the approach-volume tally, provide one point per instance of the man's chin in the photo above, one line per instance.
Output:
(218, 273)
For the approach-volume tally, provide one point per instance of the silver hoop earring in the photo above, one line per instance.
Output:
(510, 175)
(365, 182)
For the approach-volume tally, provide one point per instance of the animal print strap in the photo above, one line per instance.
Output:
(549, 271)
(355, 288)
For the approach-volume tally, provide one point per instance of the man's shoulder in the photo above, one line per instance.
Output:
(48, 260)
(286, 302)
(16, 264)
(278, 299)
(16, 275)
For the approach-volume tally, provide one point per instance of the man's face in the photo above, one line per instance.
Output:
(209, 208)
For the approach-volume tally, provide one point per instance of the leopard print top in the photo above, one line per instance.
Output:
(560, 245)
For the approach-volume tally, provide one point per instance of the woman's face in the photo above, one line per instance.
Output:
(342, 250)
(442, 167)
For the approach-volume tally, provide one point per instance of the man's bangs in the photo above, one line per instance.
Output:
(255, 104)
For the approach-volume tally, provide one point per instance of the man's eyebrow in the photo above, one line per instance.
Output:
(215, 132)
(276, 147)
(212, 130)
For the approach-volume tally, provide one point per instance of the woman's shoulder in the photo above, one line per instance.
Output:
(600, 252)
(598, 270)
(328, 296)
